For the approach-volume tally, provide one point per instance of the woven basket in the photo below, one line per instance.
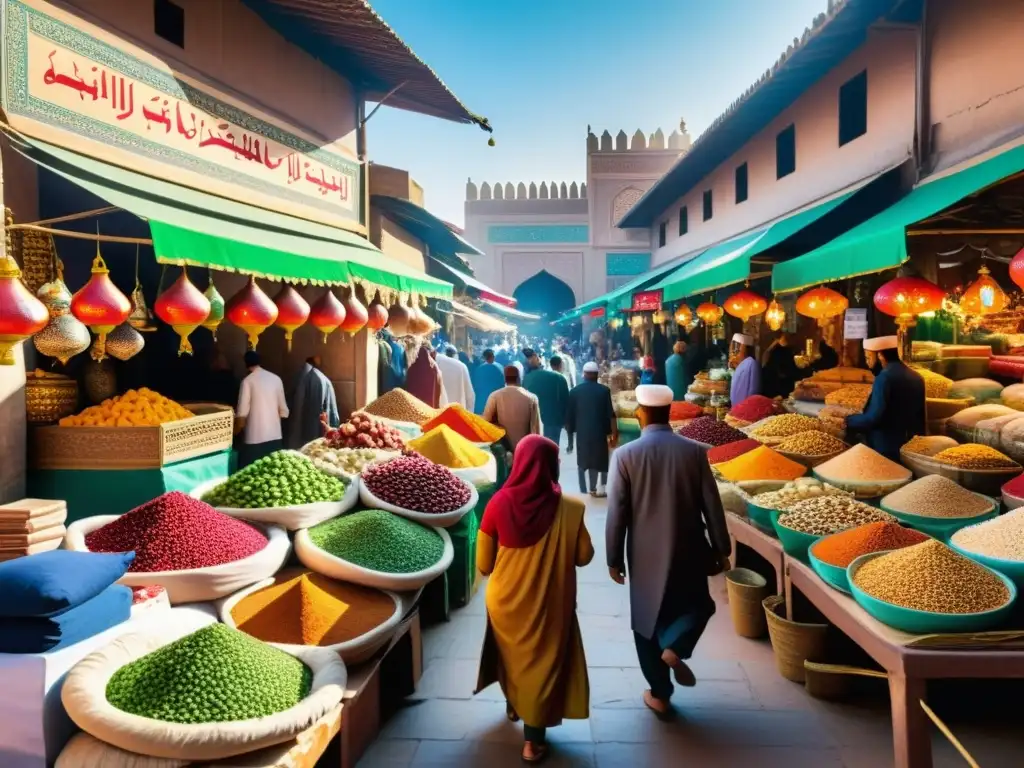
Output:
(831, 682)
(793, 642)
(49, 397)
(747, 589)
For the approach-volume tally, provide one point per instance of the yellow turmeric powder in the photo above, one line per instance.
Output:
(760, 464)
(443, 445)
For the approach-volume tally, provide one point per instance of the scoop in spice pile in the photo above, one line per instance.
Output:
(932, 577)
(786, 425)
(214, 675)
(399, 405)
(844, 547)
(831, 514)
(347, 461)
(1001, 537)
(474, 428)
(135, 408)
(796, 491)
(937, 496)
(811, 443)
(444, 446)
(282, 479)
(306, 608)
(380, 541)
(975, 456)
(175, 532)
(360, 431)
(417, 484)
(710, 431)
(729, 451)
(762, 463)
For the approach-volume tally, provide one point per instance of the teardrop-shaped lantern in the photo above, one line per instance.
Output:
(684, 315)
(398, 318)
(141, 319)
(64, 336)
(184, 308)
(420, 323)
(100, 305)
(745, 304)
(822, 304)
(377, 315)
(984, 296)
(906, 297)
(355, 313)
(710, 313)
(775, 315)
(292, 312)
(216, 316)
(327, 314)
(252, 311)
(124, 342)
(21, 313)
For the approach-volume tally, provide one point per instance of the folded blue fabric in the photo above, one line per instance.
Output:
(51, 582)
(40, 634)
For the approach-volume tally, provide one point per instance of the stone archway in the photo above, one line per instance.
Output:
(545, 295)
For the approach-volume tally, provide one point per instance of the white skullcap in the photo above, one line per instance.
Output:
(654, 395)
(881, 343)
(744, 339)
(591, 367)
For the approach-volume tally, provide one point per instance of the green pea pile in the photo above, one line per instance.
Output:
(214, 675)
(379, 541)
(281, 479)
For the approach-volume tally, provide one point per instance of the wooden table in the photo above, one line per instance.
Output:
(744, 534)
(909, 668)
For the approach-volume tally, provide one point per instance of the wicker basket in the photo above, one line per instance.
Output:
(209, 431)
(831, 682)
(747, 589)
(793, 642)
(49, 397)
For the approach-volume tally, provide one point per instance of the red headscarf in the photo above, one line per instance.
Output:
(521, 513)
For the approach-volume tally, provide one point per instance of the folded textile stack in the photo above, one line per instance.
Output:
(55, 599)
(31, 526)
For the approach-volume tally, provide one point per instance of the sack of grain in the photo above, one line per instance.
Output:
(962, 425)
(988, 431)
(1011, 439)
(1013, 397)
(982, 390)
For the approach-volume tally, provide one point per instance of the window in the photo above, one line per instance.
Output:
(785, 152)
(661, 235)
(708, 205)
(684, 221)
(741, 183)
(169, 22)
(853, 108)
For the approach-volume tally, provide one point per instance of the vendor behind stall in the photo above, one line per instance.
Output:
(746, 381)
(896, 410)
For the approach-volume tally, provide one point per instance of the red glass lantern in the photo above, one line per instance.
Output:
(21, 313)
(822, 304)
(710, 313)
(745, 304)
(252, 311)
(1017, 269)
(906, 297)
(356, 315)
(378, 316)
(398, 319)
(292, 312)
(984, 296)
(775, 315)
(100, 305)
(684, 315)
(184, 308)
(327, 314)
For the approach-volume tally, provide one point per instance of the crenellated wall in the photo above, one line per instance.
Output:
(524, 191)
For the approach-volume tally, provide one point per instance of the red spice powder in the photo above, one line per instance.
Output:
(682, 410)
(843, 548)
(466, 423)
(175, 532)
(731, 450)
(754, 408)
(1015, 487)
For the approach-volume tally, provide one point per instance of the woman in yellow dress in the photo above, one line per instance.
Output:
(531, 541)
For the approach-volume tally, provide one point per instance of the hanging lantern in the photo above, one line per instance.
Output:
(252, 311)
(141, 319)
(124, 342)
(100, 305)
(684, 315)
(378, 316)
(292, 312)
(216, 316)
(745, 304)
(775, 315)
(184, 308)
(636, 322)
(355, 313)
(659, 318)
(710, 313)
(21, 313)
(327, 314)
(64, 336)
(984, 296)
(398, 318)
(615, 323)
(905, 298)
(419, 323)
(822, 304)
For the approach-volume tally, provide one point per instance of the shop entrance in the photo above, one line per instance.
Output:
(545, 295)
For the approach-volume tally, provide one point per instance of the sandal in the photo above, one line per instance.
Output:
(661, 709)
(534, 753)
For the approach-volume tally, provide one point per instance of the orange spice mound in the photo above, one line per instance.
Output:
(465, 423)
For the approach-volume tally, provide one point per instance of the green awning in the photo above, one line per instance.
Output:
(880, 243)
(199, 229)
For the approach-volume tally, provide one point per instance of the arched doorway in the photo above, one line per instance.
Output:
(544, 295)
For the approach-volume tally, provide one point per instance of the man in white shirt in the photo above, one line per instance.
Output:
(458, 387)
(261, 406)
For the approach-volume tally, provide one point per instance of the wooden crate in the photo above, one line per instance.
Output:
(209, 431)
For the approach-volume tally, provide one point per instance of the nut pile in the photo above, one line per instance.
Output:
(709, 430)
(853, 396)
(811, 443)
(360, 431)
(793, 493)
(932, 577)
(417, 484)
(379, 541)
(937, 496)
(346, 461)
(787, 425)
(282, 479)
(928, 445)
(399, 405)
(975, 456)
(830, 514)
(1001, 537)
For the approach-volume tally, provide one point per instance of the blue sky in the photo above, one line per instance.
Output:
(542, 70)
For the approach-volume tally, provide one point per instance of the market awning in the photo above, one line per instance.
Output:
(471, 284)
(199, 229)
(880, 243)
(421, 223)
(480, 320)
(493, 307)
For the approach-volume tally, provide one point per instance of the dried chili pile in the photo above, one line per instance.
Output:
(843, 548)
(754, 408)
(682, 410)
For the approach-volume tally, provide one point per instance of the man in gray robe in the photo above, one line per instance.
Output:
(590, 422)
(312, 396)
(663, 504)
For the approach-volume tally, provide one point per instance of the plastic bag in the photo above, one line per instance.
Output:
(295, 517)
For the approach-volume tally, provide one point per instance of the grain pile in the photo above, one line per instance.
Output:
(935, 385)
(932, 577)
(937, 496)
(830, 514)
(793, 493)
(399, 405)
(811, 443)
(861, 465)
(844, 547)
(928, 445)
(975, 456)
(786, 425)
(760, 464)
(852, 396)
(1001, 537)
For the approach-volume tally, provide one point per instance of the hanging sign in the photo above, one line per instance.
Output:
(78, 86)
(855, 324)
(597, 312)
(646, 301)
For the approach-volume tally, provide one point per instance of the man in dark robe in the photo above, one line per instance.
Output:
(663, 504)
(590, 422)
(312, 395)
(552, 393)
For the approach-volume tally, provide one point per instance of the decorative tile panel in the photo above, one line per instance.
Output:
(627, 264)
(538, 233)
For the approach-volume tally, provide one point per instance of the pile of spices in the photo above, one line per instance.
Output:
(418, 484)
(306, 608)
(787, 425)
(790, 494)
(975, 456)
(754, 408)
(175, 532)
(284, 478)
(762, 463)
(214, 675)
(443, 445)
(831, 514)
(729, 451)
(399, 405)
(862, 464)
(811, 443)
(1001, 537)
(932, 577)
(472, 427)
(1015, 487)
(935, 385)
(709, 430)
(937, 496)
(379, 541)
(682, 410)
(846, 546)
(928, 445)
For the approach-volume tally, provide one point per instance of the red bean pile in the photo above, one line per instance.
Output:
(754, 408)
(175, 532)
(708, 430)
(418, 484)
(730, 451)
